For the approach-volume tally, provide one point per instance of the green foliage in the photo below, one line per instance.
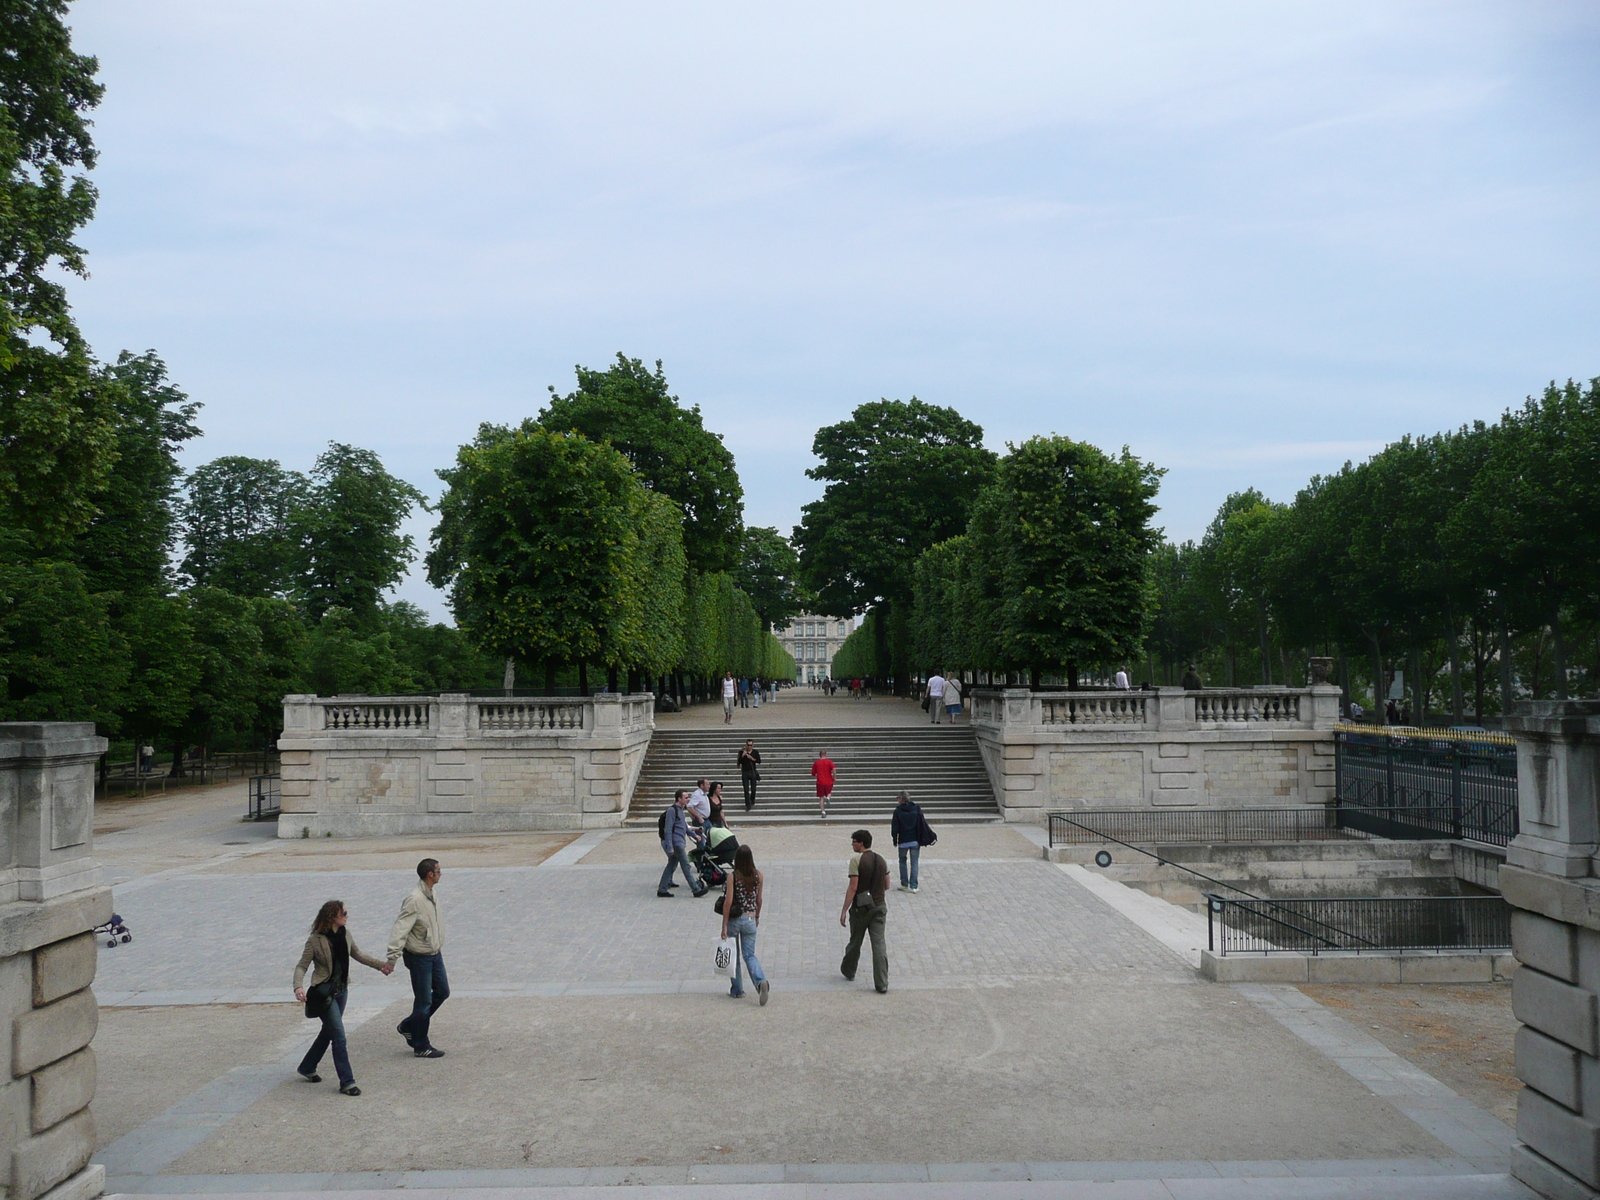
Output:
(631, 408)
(769, 573)
(658, 587)
(163, 668)
(348, 530)
(239, 523)
(56, 423)
(59, 656)
(343, 657)
(227, 649)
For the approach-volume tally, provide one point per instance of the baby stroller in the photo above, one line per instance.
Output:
(713, 858)
(114, 931)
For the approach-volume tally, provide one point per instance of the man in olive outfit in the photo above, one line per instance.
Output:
(866, 909)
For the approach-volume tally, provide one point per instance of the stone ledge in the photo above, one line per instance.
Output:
(29, 924)
(1399, 967)
(85, 1185)
(1575, 901)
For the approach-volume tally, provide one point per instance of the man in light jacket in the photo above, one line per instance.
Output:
(418, 937)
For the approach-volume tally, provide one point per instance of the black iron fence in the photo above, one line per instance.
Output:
(1442, 784)
(1325, 925)
(265, 797)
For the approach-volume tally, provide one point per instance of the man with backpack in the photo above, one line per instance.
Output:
(909, 831)
(673, 826)
(866, 910)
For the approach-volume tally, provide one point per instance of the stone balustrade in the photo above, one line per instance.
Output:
(51, 898)
(456, 763)
(1167, 746)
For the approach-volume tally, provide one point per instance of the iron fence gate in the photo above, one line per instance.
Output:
(1419, 784)
(1321, 926)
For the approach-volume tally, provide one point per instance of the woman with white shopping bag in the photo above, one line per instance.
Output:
(740, 907)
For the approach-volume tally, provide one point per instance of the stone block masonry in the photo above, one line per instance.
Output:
(1223, 748)
(360, 766)
(53, 898)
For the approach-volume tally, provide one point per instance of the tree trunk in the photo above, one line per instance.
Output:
(583, 679)
(1072, 677)
(1419, 689)
(633, 681)
(1558, 652)
(1505, 668)
(1033, 679)
(1457, 706)
(611, 679)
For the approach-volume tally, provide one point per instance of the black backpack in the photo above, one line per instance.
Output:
(661, 823)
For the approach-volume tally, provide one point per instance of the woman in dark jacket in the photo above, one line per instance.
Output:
(328, 951)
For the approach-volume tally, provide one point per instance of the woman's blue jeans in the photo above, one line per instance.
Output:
(332, 1035)
(743, 928)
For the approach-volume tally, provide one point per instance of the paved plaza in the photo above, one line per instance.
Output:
(1044, 1034)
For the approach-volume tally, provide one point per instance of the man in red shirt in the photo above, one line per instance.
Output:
(822, 769)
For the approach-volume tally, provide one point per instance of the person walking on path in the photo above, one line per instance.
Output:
(675, 844)
(909, 831)
(866, 910)
(699, 810)
(952, 698)
(741, 912)
(749, 772)
(328, 952)
(935, 697)
(418, 938)
(729, 691)
(714, 815)
(1122, 681)
(822, 772)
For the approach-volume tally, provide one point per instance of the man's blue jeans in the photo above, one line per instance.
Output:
(743, 928)
(332, 1035)
(911, 880)
(678, 858)
(430, 988)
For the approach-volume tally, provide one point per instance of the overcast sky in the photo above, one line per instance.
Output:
(1248, 240)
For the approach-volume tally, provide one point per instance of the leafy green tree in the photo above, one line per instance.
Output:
(900, 476)
(769, 573)
(60, 659)
(126, 544)
(437, 657)
(344, 657)
(240, 528)
(1074, 540)
(536, 537)
(630, 407)
(227, 649)
(57, 439)
(283, 652)
(162, 666)
(348, 530)
(658, 579)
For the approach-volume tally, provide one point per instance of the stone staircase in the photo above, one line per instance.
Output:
(940, 766)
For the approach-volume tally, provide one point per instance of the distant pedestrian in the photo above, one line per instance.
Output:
(1391, 713)
(952, 698)
(935, 697)
(147, 758)
(744, 693)
(1191, 679)
(674, 828)
(822, 771)
(741, 913)
(909, 831)
(418, 938)
(749, 772)
(866, 910)
(729, 691)
(328, 952)
(1122, 681)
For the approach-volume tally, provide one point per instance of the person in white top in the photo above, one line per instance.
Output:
(699, 804)
(935, 697)
(1122, 680)
(730, 692)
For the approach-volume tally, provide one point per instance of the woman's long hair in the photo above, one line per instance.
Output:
(744, 865)
(325, 916)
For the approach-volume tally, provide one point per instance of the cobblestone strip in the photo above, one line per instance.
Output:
(1454, 1120)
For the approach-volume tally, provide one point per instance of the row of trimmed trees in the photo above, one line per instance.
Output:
(601, 534)
(1467, 564)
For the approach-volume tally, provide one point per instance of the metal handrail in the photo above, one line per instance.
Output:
(1478, 923)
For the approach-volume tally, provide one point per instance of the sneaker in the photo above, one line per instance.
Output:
(913, 889)
(401, 1030)
(881, 991)
(665, 895)
(312, 1078)
(700, 893)
(428, 1052)
(765, 989)
(352, 1090)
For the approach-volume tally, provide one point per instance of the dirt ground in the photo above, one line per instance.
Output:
(1460, 1033)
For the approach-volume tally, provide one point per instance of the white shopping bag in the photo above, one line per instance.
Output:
(722, 952)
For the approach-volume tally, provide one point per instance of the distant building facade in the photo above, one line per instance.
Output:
(814, 640)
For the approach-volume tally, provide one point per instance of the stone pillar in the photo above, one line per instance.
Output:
(51, 897)
(1550, 881)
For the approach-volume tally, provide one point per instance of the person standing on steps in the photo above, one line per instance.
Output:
(675, 844)
(418, 938)
(822, 772)
(935, 697)
(749, 772)
(328, 952)
(729, 691)
(866, 910)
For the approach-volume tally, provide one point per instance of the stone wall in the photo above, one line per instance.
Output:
(51, 897)
(372, 765)
(1550, 879)
(1167, 747)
